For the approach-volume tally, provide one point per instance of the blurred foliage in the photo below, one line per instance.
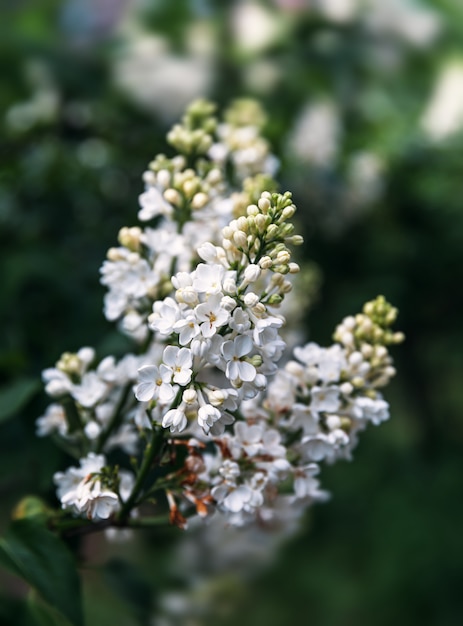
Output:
(75, 142)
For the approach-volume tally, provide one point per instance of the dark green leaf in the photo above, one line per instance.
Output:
(16, 395)
(42, 614)
(32, 552)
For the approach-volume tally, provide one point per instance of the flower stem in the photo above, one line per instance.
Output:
(116, 419)
(152, 449)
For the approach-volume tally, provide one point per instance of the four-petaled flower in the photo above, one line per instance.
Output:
(154, 383)
(234, 353)
(211, 315)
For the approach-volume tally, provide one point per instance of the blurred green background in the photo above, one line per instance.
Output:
(365, 112)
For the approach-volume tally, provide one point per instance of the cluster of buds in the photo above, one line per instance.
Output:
(203, 410)
(366, 338)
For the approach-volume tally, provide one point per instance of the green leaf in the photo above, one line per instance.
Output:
(16, 395)
(39, 557)
(42, 614)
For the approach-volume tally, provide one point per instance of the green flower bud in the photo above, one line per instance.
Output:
(275, 299)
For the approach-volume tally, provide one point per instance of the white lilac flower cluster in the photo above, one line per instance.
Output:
(218, 425)
(220, 168)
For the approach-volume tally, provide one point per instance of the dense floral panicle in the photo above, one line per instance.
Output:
(191, 203)
(201, 286)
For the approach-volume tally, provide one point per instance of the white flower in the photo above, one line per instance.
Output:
(154, 382)
(54, 420)
(240, 321)
(234, 352)
(317, 448)
(375, 411)
(90, 391)
(248, 438)
(208, 415)
(229, 470)
(164, 316)
(175, 419)
(303, 417)
(237, 498)
(56, 382)
(97, 502)
(152, 204)
(179, 361)
(332, 360)
(305, 483)
(81, 491)
(211, 315)
(208, 278)
(212, 254)
(188, 329)
(324, 399)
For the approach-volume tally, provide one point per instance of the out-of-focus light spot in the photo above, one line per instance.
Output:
(444, 113)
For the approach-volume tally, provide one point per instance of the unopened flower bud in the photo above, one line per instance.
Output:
(251, 299)
(380, 352)
(199, 200)
(149, 178)
(130, 237)
(272, 231)
(349, 322)
(288, 212)
(367, 350)
(266, 262)
(187, 295)
(214, 176)
(113, 254)
(255, 360)
(259, 309)
(261, 222)
(333, 422)
(163, 178)
(275, 299)
(264, 204)
(346, 389)
(172, 196)
(252, 209)
(252, 273)
(216, 397)
(355, 358)
(240, 240)
(295, 240)
(242, 224)
(227, 232)
(189, 396)
(190, 187)
(283, 257)
(228, 303)
(229, 285)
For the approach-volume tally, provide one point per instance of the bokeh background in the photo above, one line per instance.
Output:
(365, 111)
